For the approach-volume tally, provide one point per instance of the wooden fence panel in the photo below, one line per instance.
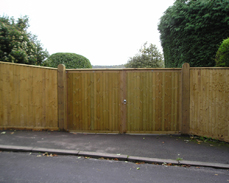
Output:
(209, 102)
(153, 102)
(93, 101)
(28, 97)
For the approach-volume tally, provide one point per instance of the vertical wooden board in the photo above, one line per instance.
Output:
(85, 102)
(144, 104)
(192, 112)
(30, 98)
(39, 92)
(105, 101)
(70, 101)
(221, 104)
(163, 102)
(167, 101)
(84, 96)
(98, 101)
(224, 103)
(132, 102)
(21, 104)
(77, 101)
(138, 107)
(196, 100)
(200, 102)
(92, 104)
(206, 101)
(47, 99)
(154, 101)
(10, 106)
(110, 123)
(50, 100)
(95, 101)
(150, 101)
(88, 102)
(129, 93)
(120, 125)
(54, 101)
(1, 94)
(185, 127)
(4, 94)
(203, 91)
(44, 99)
(227, 104)
(210, 102)
(159, 81)
(17, 83)
(174, 102)
(6, 97)
(177, 94)
(214, 102)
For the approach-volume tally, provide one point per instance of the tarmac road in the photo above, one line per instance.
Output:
(36, 168)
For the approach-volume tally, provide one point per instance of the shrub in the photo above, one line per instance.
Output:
(222, 55)
(70, 60)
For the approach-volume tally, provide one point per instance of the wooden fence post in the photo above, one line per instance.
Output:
(185, 108)
(61, 79)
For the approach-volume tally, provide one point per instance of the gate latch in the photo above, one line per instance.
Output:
(124, 101)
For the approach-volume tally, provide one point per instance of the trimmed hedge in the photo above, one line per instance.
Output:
(222, 55)
(70, 60)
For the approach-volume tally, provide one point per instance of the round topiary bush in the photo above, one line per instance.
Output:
(222, 55)
(70, 60)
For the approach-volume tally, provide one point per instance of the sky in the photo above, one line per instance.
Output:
(107, 32)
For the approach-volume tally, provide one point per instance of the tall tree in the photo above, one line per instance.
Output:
(148, 57)
(192, 30)
(17, 45)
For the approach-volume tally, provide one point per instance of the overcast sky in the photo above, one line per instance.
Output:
(107, 32)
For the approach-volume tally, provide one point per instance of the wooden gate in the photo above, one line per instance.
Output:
(124, 100)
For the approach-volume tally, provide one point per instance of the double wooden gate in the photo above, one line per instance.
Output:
(124, 100)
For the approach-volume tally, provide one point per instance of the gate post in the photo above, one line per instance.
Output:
(185, 107)
(61, 84)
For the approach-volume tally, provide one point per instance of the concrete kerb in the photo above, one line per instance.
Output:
(112, 156)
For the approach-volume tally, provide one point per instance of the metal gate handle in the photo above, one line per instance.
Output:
(124, 101)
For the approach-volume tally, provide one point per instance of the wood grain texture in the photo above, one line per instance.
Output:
(93, 101)
(28, 97)
(185, 125)
(153, 102)
(209, 102)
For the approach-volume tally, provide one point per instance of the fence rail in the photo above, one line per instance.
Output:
(161, 101)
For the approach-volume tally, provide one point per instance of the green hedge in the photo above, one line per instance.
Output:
(192, 31)
(222, 55)
(70, 60)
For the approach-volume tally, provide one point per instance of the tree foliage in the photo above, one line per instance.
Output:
(192, 30)
(70, 60)
(222, 55)
(148, 57)
(17, 45)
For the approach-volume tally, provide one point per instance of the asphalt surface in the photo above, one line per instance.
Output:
(171, 147)
(36, 168)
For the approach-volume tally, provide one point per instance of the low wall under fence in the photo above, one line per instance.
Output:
(157, 101)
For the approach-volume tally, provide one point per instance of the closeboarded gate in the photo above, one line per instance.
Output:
(124, 100)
